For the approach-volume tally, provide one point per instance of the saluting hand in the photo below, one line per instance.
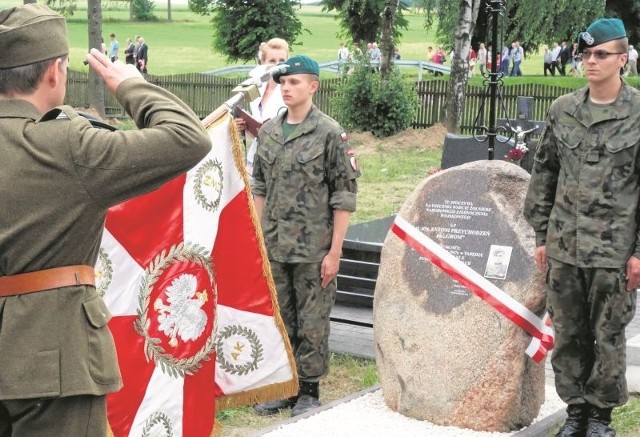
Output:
(113, 73)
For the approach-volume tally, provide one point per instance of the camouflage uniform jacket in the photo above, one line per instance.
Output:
(583, 195)
(303, 179)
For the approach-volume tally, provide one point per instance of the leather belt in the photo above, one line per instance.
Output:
(41, 280)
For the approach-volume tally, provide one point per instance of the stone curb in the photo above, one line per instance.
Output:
(537, 429)
(316, 410)
(542, 427)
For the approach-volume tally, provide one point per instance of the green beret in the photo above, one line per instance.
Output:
(31, 33)
(298, 65)
(601, 31)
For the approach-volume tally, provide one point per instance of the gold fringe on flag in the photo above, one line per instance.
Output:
(280, 390)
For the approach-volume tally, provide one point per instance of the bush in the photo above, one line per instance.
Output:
(143, 10)
(365, 102)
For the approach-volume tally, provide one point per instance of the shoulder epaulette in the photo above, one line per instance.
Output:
(59, 112)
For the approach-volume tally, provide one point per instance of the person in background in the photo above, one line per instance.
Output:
(472, 62)
(304, 191)
(343, 57)
(129, 52)
(270, 103)
(576, 61)
(548, 62)
(482, 58)
(555, 57)
(517, 56)
(430, 54)
(632, 63)
(142, 57)
(505, 60)
(114, 47)
(582, 202)
(564, 57)
(376, 56)
(136, 41)
(60, 175)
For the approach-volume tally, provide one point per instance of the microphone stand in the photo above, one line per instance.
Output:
(247, 90)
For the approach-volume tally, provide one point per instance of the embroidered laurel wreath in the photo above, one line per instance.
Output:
(186, 253)
(157, 418)
(257, 350)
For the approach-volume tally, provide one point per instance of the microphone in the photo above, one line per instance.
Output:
(280, 68)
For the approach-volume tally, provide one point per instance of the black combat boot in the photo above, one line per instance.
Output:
(576, 423)
(599, 420)
(274, 407)
(308, 398)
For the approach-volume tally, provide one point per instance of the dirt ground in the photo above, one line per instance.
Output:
(430, 138)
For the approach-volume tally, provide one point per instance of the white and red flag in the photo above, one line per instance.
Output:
(184, 272)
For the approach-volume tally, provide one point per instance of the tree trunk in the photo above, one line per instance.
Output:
(454, 109)
(386, 41)
(96, 85)
(169, 10)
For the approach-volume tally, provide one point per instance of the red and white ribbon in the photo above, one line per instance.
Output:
(537, 327)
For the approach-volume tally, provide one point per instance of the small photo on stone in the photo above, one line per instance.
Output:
(498, 262)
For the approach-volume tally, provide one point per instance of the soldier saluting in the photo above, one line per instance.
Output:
(583, 205)
(59, 175)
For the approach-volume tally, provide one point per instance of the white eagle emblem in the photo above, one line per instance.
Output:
(586, 36)
(184, 316)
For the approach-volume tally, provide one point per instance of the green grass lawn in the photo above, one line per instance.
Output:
(184, 45)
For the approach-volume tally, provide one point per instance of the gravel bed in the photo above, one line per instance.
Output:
(369, 416)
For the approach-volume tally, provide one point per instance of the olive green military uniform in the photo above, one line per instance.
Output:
(59, 175)
(303, 179)
(583, 205)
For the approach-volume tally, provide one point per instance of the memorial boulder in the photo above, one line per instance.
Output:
(445, 354)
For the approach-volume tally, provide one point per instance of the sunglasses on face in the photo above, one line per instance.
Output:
(599, 54)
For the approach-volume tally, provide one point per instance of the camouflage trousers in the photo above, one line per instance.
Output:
(590, 308)
(305, 308)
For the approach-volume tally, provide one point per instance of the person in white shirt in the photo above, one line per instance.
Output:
(632, 61)
(270, 102)
(343, 56)
(482, 58)
(555, 58)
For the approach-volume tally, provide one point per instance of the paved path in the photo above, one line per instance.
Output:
(358, 341)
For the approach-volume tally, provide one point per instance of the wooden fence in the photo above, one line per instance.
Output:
(204, 93)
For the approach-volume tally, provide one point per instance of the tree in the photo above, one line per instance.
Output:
(143, 10)
(537, 23)
(240, 25)
(361, 20)
(96, 84)
(387, 43)
(454, 108)
(66, 8)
